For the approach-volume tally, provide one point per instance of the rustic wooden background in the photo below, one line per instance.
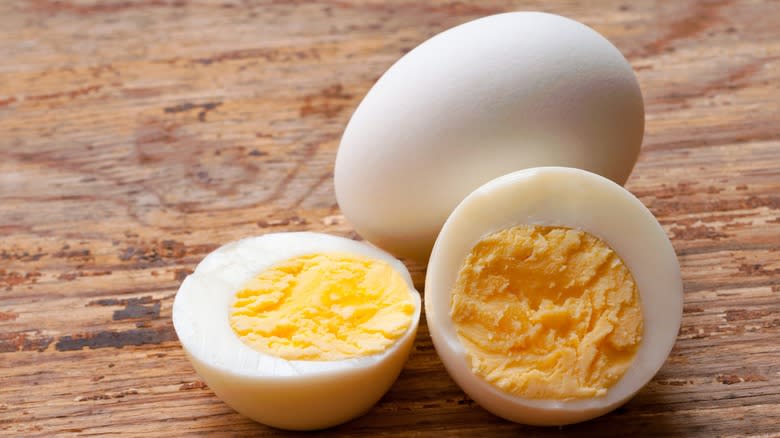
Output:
(138, 135)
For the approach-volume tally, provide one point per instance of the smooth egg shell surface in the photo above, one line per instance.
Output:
(489, 97)
(574, 198)
(288, 394)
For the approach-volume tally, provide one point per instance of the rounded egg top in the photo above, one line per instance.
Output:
(489, 97)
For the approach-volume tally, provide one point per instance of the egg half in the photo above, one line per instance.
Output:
(552, 295)
(480, 100)
(273, 327)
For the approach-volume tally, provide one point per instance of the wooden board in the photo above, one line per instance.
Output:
(138, 135)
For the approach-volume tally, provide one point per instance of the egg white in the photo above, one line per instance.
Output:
(558, 196)
(290, 394)
(491, 96)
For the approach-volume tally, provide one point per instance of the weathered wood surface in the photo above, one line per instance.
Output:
(138, 135)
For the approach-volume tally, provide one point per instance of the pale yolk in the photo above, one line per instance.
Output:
(547, 313)
(323, 307)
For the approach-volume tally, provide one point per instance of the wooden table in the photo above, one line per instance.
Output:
(138, 135)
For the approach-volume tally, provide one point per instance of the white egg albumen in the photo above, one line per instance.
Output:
(574, 198)
(288, 394)
(488, 97)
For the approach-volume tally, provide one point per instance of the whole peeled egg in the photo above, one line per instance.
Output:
(488, 97)
(298, 330)
(552, 295)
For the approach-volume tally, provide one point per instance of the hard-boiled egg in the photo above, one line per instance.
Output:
(552, 295)
(488, 97)
(298, 330)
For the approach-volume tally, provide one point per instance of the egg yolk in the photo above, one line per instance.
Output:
(547, 313)
(323, 307)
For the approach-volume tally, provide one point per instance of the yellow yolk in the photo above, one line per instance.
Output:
(323, 307)
(547, 313)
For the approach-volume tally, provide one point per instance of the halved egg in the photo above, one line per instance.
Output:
(298, 330)
(552, 295)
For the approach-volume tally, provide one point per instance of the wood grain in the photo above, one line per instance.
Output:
(138, 135)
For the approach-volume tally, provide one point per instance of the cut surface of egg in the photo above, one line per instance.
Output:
(298, 330)
(491, 96)
(552, 295)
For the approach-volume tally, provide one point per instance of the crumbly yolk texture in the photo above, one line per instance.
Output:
(323, 307)
(547, 313)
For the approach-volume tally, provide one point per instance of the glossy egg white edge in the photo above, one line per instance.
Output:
(289, 394)
(482, 99)
(575, 198)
